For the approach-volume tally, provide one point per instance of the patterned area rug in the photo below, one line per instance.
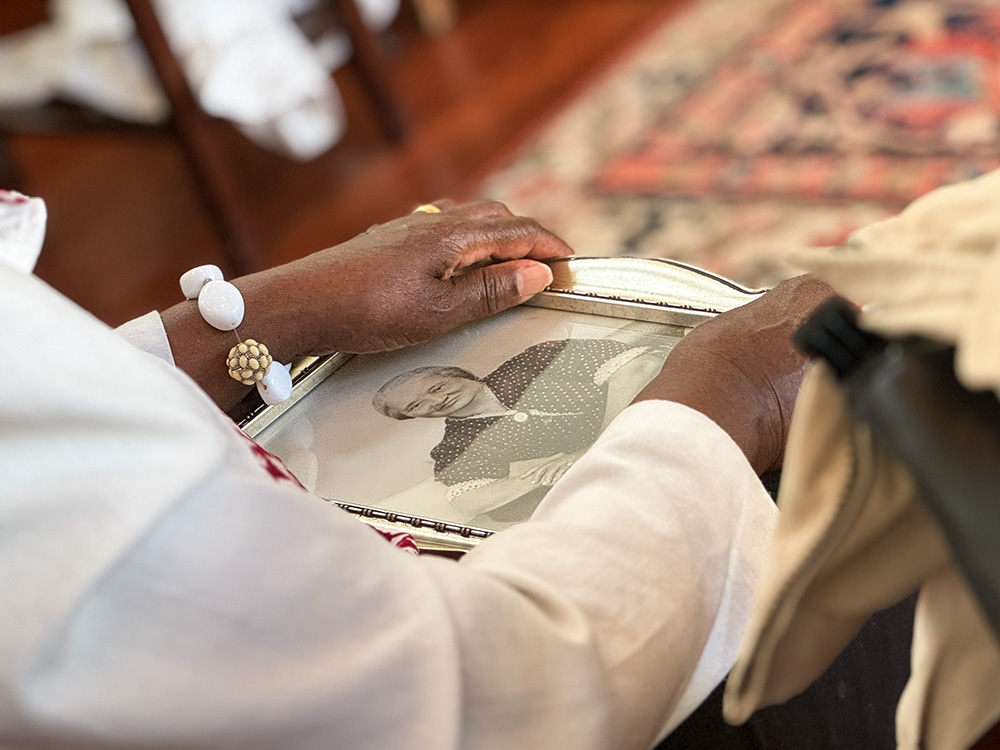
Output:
(742, 131)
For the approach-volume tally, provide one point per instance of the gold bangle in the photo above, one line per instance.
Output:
(427, 208)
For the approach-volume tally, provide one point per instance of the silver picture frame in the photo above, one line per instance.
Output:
(642, 305)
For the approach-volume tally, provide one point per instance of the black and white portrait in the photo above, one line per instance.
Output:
(527, 421)
(473, 428)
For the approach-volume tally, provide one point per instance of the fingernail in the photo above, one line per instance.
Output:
(532, 279)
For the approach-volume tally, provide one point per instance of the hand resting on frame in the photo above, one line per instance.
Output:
(399, 283)
(742, 370)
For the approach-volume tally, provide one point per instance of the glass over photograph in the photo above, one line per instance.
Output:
(475, 428)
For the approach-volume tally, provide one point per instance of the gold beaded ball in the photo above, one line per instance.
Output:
(248, 362)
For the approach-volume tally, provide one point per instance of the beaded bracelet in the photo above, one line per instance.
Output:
(221, 305)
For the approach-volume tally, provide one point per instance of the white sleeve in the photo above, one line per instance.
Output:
(647, 552)
(164, 586)
(148, 334)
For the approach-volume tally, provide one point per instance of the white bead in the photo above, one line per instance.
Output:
(276, 386)
(196, 278)
(221, 305)
(520, 417)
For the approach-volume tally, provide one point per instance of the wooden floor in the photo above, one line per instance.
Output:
(126, 219)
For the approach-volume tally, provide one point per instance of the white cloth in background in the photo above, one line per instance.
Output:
(246, 61)
(161, 586)
(85, 54)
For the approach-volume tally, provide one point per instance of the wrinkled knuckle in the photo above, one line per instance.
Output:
(500, 235)
(455, 239)
(519, 229)
(492, 294)
(530, 226)
(495, 207)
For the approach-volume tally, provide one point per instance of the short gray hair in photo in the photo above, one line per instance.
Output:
(383, 407)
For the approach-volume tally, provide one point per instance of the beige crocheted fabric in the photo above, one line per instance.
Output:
(853, 536)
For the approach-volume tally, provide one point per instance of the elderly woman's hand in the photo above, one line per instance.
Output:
(742, 370)
(411, 279)
(397, 284)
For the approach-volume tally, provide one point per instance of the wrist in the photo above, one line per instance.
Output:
(273, 316)
(206, 353)
(310, 306)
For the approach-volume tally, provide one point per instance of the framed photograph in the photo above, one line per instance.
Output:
(463, 436)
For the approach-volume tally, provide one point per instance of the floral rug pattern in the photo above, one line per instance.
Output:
(739, 132)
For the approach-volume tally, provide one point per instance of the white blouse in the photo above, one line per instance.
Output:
(160, 587)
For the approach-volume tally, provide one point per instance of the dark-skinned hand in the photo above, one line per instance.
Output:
(742, 370)
(400, 283)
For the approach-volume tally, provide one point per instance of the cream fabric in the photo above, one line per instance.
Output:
(853, 536)
(161, 588)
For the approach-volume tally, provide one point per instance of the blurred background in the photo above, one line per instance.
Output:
(434, 93)
(165, 134)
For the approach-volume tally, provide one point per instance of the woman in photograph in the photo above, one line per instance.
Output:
(521, 427)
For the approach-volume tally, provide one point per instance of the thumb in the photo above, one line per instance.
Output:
(489, 289)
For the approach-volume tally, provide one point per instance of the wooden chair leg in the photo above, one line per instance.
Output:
(192, 127)
(373, 71)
